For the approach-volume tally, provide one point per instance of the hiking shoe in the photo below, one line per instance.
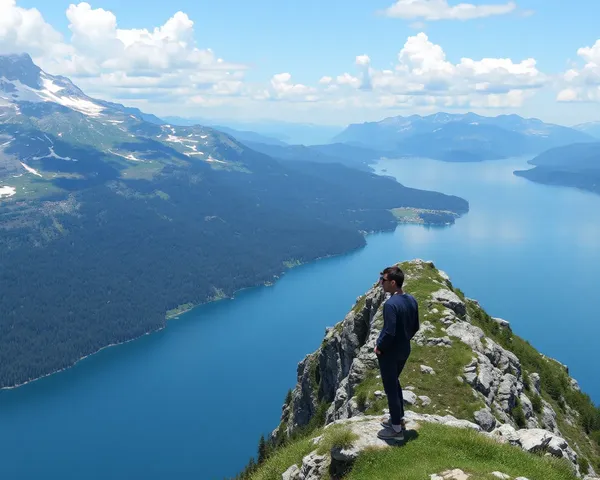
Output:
(391, 434)
(387, 423)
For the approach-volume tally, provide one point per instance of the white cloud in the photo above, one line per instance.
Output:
(162, 63)
(284, 89)
(424, 76)
(582, 84)
(24, 30)
(441, 10)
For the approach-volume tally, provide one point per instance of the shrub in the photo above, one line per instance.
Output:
(336, 436)
(519, 416)
(536, 402)
(361, 400)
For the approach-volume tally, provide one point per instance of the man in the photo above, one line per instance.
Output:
(400, 323)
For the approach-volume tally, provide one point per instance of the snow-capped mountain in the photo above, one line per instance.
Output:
(53, 134)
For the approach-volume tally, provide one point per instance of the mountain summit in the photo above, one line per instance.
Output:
(480, 401)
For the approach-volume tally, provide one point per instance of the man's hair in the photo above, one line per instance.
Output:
(394, 273)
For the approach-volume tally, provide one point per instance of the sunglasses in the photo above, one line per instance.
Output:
(383, 280)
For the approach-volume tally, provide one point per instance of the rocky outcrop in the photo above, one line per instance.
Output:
(329, 378)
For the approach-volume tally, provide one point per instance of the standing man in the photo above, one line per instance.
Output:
(400, 323)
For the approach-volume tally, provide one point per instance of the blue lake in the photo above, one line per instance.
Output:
(191, 401)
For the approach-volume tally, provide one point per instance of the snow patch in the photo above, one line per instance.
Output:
(51, 86)
(31, 170)
(127, 157)
(53, 154)
(7, 191)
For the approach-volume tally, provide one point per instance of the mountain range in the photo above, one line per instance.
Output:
(112, 220)
(460, 137)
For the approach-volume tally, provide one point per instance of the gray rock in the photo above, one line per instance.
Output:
(427, 370)
(505, 433)
(559, 447)
(521, 478)
(444, 275)
(314, 467)
(501, 475)
(501, 322)
(575, 385)
(455, 474)
(534, 440)
(449, 420)
(425, 400)
(292, 473)
(438, 342)
(485, 419)
(536, 382)
(409, 397)
(526, 406)
(549, 418)
(451, 300)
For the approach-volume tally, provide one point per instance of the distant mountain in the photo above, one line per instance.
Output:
(288, 132)
(460, 137)
(591, 128)
(575, 165)
(348, 155)
(111, 221)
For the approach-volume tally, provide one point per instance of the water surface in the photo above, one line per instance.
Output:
(191, 401)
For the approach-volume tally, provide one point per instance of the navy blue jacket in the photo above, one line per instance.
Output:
(400, 323)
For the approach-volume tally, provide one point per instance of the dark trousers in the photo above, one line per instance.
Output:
(390, 367)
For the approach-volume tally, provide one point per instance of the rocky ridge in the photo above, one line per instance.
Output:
(339, 384)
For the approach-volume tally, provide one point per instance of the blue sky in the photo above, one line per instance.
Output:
(313, 39)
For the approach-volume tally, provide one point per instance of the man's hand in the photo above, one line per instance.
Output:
(377, 351)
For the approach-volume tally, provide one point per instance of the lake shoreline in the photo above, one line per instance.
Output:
(175, 316)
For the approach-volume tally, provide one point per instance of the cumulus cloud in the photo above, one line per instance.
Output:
(282, 88)
(25, 30)
(424, 76)
(582, 82)
(441, 10)
(162, 63)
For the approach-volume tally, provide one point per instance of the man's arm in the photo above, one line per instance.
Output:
(386, 338)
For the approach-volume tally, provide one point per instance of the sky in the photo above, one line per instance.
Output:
(325, 62)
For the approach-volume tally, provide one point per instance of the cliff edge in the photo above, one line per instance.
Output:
(481, 402)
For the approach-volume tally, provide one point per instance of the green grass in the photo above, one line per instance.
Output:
(447, 394)
(179, 310)
(434, 449)
(282, 459)
(338, 436)
(438, 448)
(142, 170)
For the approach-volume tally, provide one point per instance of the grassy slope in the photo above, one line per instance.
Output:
(435, 449)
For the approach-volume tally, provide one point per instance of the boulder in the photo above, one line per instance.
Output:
(314, 467)
(425, 400)
(292, 473)
(485, 419)
(501, 322)
(427, 370)
(451, 300)
(410, 398)
(455, 474)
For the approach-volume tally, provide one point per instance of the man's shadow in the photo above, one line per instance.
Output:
(409, 436)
